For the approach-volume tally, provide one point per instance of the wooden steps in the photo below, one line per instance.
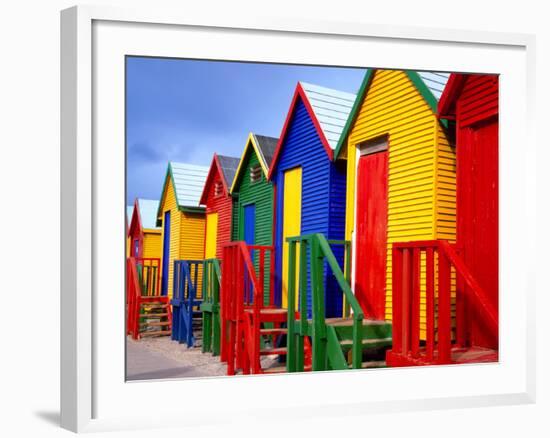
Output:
(276, 350)
(459, 355)
(273, 331)
(155, 317)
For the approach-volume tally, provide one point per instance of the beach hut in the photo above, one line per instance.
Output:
(253, 194)
(182, 218)
(471, 101)
(144, 234)
(310, 187)
(400, 177)
(217, 199)
(129, 212)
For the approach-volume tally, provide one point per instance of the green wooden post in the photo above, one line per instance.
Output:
(303, 305)
(357, 347)
(317, 290)
(205, 314)
(215, 308)
(291, 282)
(347, 246)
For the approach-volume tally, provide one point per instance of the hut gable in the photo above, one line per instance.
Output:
(328, 111)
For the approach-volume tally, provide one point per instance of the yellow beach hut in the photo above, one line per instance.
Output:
(400, 177)
(182, 218)
(129, 213)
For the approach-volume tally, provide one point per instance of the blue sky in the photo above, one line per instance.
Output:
(185, 110)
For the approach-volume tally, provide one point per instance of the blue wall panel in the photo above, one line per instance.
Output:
(322, 182)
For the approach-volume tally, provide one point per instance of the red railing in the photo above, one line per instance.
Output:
(142, 284)
(243, 283)
(439, 257)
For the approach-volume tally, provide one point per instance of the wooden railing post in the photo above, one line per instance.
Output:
(406, 301)
(444, 309)
(430, 308)
(415, 303)
(291, 341)
(318, 308)
(397, 302)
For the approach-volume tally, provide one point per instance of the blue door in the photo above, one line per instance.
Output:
(249, 227)
(165, 253)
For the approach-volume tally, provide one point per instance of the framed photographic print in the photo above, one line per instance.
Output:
(267, 215)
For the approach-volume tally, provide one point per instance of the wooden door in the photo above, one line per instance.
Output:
(371, 233)
(292, 219)
(477, 233)
(211, 235)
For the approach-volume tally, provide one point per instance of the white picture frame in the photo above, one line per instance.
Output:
(93, 40)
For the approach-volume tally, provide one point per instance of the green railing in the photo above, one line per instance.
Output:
(211, 306)
(298, 324)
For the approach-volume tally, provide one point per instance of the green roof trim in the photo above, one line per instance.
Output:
(354, 111)
(424, 92)
(192, 209)
(414, 78)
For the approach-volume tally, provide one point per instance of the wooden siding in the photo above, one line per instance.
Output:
(259, 193)
(223, 205)
(169, 204)
(152, 243)
(303, 147)
(421, 170)
(191, 240)
(478, 99)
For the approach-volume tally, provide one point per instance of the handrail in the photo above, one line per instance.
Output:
(210, 306)
(440, 256)
(320, 250)
(239, 279)
(478, 292)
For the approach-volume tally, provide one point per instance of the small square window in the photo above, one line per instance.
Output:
(218, 189)
(255, 174)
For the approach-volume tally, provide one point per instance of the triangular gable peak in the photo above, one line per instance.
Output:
(135, 221)
(429, 85)
(187, 181)
(264, 148)
(224, 167)
(328, 109)
(144, 215)
(446, 107)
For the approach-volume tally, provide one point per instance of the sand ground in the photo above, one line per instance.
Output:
(162, 358)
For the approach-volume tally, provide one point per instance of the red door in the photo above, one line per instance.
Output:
(477, 166)
(371, 228)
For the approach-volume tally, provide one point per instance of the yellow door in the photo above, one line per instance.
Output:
(211, 235)
(292, 219)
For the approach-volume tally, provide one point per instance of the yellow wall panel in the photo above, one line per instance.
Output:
(152, 243)
(421, 180)
(192, 235)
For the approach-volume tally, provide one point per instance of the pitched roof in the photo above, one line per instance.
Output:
(331, 108)
(147, 209)
(435, 82)
(188, 180)
(264, 147)
(228, 167)
(430, 85)
(328, 109)
(446, 104)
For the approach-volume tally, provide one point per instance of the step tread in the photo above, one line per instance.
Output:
(374, 364)
(273, 331)
(275, 370)
(155, 324)
(365, 341)
(276, 350)
(269, 311)
(156, 333)
(343, 322)
(153, 315)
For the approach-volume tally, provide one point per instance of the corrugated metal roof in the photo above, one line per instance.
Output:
(229, 167)
(188, 182)
(435, 81)
(148, 209)
(331, 107)
(267, 146)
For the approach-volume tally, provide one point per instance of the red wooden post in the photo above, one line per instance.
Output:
(415, 304)
(272, 277)
(406, 300)
(460, 309)
(397, 292)
(444, 309)
(430, 312)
